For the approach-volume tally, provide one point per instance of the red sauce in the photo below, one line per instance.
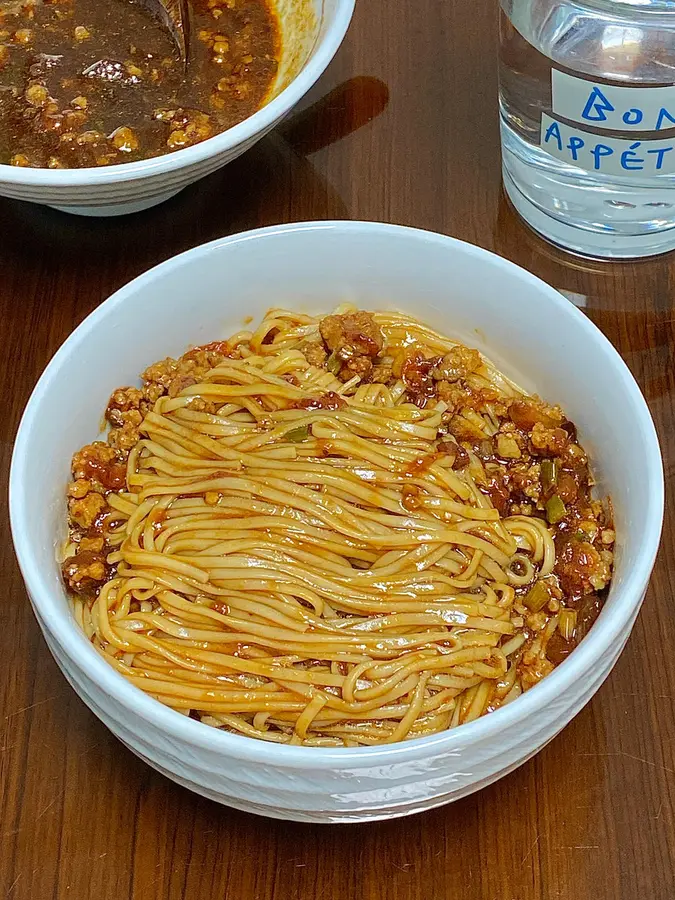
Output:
(526, 415)
(410, 499)
(158, 520)
(324, 447)
(105, 521)
(422, 464)
(417, 377)
(588, 609)
(499, 493)
(221, 608)
(462, 459)
(112, 475)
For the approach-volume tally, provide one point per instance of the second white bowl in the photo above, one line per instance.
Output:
(309, 42)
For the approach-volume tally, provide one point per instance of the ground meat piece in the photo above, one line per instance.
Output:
(85, 511)
(329, 400)
(382, 373)
(123, 400)
(574, 459)
(100, 463)
(548, 441)
(527, 413)
(124, 413)
(525, 481)
(92, 458)
(93, 544)
(521, 509)
(509, 430)
(532, 673)
(352, 334)
(81, 487)
(314, 352)
(498, 492)
(171, 376)
(160, 374)
(220, 349)
(459, 396)
(462, 459)
(84, 571)
(152, 391)
(484, 448)
(416, 374)
(187, 127)
(126, 437)
(580, 567)
(566, 487)
(201, 360)
(457, 364)
(453, 453)
(198, 404)
(180, 382)
(451, 394)
(358, 365)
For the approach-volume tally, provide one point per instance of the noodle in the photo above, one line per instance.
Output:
(297, 552)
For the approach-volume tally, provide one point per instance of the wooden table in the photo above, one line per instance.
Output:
(403, 127)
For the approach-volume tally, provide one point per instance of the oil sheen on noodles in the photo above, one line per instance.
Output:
(270, 575)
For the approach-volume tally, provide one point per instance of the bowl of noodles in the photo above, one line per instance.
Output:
(370, 520)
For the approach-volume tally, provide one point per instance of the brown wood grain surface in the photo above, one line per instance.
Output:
(403, 127)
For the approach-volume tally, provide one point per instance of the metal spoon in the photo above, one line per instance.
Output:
(175, 16)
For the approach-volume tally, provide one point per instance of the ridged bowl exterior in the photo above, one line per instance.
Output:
(356, 792)
(121, 193)
(531, 331)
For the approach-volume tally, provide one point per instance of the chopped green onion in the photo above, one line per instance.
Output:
(301, 433)
(537, 597)
(555, 510)
(334, 363)
(567, 623)
(549, 474)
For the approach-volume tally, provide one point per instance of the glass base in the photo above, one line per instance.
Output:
(595, 244)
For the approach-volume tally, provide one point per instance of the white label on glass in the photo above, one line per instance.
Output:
(612, 107)
(608, 156)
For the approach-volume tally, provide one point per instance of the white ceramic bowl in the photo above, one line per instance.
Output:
(530, 329)
(312, 31)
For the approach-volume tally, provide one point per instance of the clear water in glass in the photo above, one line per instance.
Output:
(587, 96)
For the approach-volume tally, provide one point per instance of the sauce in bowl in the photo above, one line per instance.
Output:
(100, 82)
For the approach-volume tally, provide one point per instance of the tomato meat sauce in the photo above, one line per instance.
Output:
(87, 83)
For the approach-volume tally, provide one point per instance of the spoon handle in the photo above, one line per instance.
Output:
(174, 15)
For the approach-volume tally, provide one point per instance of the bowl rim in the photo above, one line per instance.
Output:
(605, 634)
(325, 48)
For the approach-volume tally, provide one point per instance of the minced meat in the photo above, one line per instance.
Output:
(354, 339)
